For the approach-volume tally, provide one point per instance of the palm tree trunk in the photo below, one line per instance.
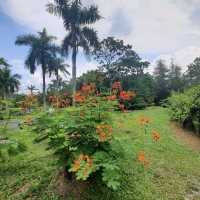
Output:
(44, 86)
(57, 81)
(74, 54)
(6, 103)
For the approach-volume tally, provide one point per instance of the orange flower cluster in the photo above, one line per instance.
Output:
(127, 96)
(155, 136)
(29, 101)
(111, 98)
(79, 98)
(144, 121)
(117, 86)
(82, 159)
(142, 158)
(104, 131)
(59, 102)
(88, 89)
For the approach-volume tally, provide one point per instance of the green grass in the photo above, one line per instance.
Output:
(172, 174)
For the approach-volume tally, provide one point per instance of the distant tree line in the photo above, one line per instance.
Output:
(116, 60)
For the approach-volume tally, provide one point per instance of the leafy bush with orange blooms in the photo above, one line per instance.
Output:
(60, 101)
(123, 97)
(83, 137)
(29, 103)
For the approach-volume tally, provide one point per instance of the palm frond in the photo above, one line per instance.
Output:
(67, 44)
(91, 36)
(30, 62)
(89, 15)
(26, 39)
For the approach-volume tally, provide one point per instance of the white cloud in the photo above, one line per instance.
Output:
(167, 28)
(154, 26)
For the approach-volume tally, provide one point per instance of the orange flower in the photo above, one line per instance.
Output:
(79, 98)
(104, 132)
(142, 158)
(155, 136)
(111, 98)
(83, 159)
(127, 96)
(144, 121)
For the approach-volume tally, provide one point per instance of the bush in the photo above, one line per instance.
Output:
(185, 108)
(82, 137)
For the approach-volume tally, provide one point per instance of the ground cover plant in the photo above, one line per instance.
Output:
(166, 158)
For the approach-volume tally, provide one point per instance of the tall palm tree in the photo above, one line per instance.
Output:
(76, 19)
(42, 51)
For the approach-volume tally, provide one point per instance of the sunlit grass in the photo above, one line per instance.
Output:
(172, 173)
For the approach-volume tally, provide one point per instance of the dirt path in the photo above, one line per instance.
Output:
(186, 137)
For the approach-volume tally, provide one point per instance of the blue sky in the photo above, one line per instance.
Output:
(156, 29)
(9, 31)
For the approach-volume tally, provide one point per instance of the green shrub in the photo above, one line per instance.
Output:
(82, 137)
(185, 107)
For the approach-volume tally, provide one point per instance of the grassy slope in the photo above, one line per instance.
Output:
(173, 171)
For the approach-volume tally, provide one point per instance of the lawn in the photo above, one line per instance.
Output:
(172, 173)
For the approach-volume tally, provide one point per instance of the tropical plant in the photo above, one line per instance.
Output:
(76, 19)
(9, 83)
(42, 52)
(82, 136)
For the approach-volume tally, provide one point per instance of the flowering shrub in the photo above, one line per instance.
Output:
(60, 101)
(29, 103)
(82, 136)
(123, 97)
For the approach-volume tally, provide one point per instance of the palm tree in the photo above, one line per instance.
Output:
(42, 51)
(31, 88)
(57, 65)
(8, 83)
(76, 19)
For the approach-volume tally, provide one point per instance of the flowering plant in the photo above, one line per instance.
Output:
(82, 137)
(29, 102)
(60, 101)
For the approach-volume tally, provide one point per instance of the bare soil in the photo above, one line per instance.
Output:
(187, 137)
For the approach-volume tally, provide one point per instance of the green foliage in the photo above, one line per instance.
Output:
(9, 147)
(9, 83)
(193, 72)
(82, 137)
(185, 107)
